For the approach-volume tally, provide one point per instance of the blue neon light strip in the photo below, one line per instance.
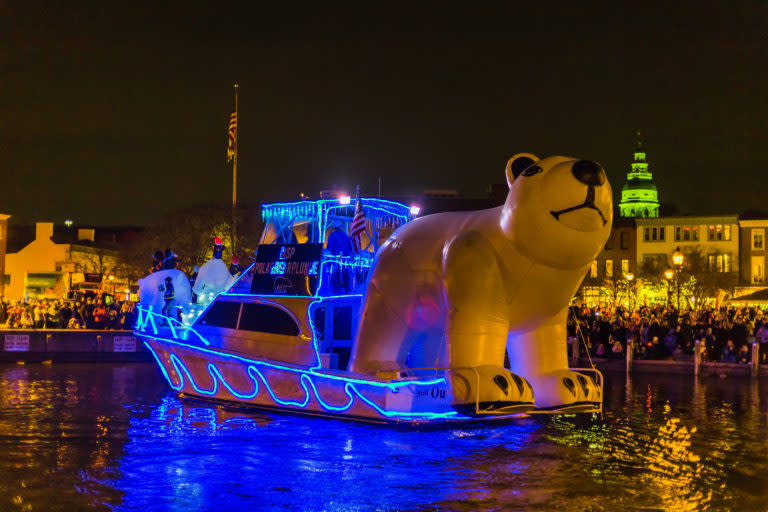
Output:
(146, 315)
(305, 379)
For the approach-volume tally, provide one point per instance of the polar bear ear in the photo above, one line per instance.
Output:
(518, 164)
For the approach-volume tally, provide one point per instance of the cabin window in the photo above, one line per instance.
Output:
(222, 314)
(342, 323)
(268, 319)
(318, 319)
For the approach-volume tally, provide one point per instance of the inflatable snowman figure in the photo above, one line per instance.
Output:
(213, 277)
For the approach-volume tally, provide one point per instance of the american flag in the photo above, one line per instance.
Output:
(358, 224)
(232, 136)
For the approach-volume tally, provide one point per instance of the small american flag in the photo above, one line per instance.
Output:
(358, 224)
(232, 136)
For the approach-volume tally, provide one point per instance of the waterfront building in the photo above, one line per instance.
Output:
(714, 237)
(752, 258)
(47, 261)
(618, 257)
(606, 280)
(639, 196)
(3, 244)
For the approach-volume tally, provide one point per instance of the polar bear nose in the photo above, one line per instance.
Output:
(589, 173)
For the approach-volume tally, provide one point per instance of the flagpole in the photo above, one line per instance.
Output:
(234, 177)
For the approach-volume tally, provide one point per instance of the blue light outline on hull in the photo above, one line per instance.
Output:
(305, 378)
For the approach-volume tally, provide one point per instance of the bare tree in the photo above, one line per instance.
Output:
(96, 260)
(190, 234)
(700, 280)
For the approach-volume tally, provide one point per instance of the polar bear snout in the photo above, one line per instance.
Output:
(589, 173)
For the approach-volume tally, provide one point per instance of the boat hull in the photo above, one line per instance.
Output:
(213, 375)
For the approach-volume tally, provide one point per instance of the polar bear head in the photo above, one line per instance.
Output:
(559, 209)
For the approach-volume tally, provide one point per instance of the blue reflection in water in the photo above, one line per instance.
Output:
(189, 456)
(114, 437)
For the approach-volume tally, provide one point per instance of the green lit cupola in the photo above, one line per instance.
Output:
(639, 197)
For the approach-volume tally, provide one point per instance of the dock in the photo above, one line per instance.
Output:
(71, 345)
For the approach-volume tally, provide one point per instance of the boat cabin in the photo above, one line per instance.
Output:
(300, 300)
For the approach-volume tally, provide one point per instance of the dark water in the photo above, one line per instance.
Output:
(113, 437)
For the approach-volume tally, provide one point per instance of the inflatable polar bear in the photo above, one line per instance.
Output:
(457, 289)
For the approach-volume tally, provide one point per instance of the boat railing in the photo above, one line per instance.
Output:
(597, 376)
(159, 324)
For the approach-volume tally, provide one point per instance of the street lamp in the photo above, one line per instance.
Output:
(677, 260)
(668, 276)
(629, 276)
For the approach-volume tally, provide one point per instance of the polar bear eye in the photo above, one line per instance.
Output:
(532, 170)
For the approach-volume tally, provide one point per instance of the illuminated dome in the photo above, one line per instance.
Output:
(639, 195)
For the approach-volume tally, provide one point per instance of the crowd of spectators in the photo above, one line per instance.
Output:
(88, 313)
(725, 334)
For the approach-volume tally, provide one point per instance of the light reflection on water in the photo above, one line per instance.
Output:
(113, 437)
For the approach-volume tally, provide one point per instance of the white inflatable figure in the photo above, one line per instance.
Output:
(458, 289)
(212, 278)
(152, 288)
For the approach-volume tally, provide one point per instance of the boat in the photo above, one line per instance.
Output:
(281, 336)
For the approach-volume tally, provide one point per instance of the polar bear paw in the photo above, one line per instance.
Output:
(566, 389)
(484, 390)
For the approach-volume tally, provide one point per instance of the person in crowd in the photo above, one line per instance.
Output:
(74, 323)
(744, 355)
(600, 351)
(729, 352)
(99, 316)
(670, 340)
(62, 314)
(617, 350)
(761, 335)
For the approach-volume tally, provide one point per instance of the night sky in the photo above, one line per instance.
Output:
(117, 113)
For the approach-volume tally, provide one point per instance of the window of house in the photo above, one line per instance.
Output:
(757, 239)
(608, 268)
(593, 269)
(686, 233)
(624, 267)
(758, 263)
(657, 234)
(719, 232)
(719, 262)
(647, 235)
(609, 243)
(624, 240)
